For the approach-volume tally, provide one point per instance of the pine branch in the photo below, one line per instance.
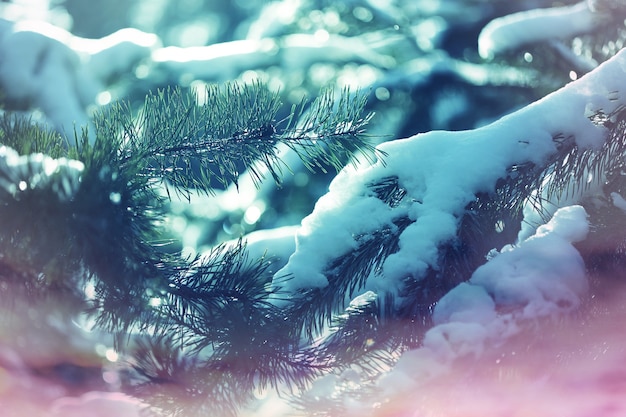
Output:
(604, 249)
(116, 214)
(491, 221)
(211, 316)
(363, 344)
(340, 130)
(389, 191)
(25, 137)
(190, 145)
(216, 315)
(347, 274)
(361, 337)
(200, 295)
(177, 384)
(36, 192)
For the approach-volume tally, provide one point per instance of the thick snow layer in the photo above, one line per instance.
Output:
(441, 172)
(542, 277)
(570, 366)
(536, 25)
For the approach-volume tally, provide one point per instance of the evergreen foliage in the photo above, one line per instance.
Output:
(203, 333)
(492, 220)
(94, 217)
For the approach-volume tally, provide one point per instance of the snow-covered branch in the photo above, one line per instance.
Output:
(47, 68)
(441, 175)
(540, 25)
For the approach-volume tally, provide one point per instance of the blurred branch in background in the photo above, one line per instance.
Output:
(419, 61)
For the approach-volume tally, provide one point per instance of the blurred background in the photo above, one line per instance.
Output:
(417, 60)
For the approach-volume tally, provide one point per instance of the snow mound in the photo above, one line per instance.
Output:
(541, 277)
